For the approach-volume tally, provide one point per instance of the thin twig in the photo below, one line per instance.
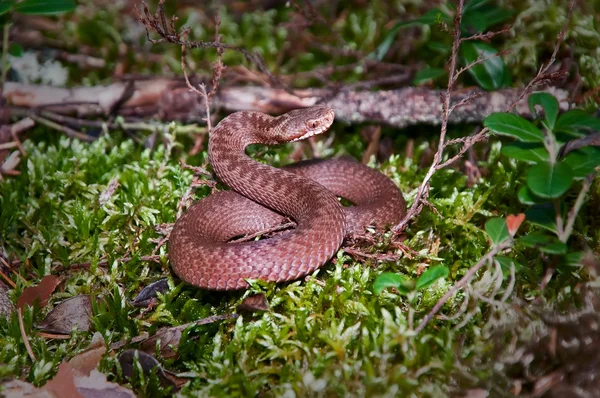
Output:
(462, 282)
(587, 183)
(542, 76)
(67, 130)
(24, 336)
(424, 188)
(157, 23)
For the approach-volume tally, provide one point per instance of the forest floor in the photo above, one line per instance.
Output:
(484, 290)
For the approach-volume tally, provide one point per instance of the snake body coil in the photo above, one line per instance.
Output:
(262, 197)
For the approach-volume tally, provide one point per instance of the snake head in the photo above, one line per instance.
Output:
(302, 123)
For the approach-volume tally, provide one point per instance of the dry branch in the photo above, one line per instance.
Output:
(171, 99)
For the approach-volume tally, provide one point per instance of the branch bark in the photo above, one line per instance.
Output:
(170, 99)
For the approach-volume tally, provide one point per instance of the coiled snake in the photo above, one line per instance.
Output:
(261, 198)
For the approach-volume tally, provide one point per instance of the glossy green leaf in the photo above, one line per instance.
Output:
(550, 180)
(480, 21)
(497, 230)
(430, 276)
(543, 215)
(427, 74)
(527, 197)
(390, 279)
(430, 17)
(6, 6)
(44, 7)
(492, 73)
(506, 263)
(583, 161)
(514, 126)
(576, 120)
(545, 243)
(548, 103)
(479, 15)
(527, 151)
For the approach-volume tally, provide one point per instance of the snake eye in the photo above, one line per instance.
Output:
(313, 124)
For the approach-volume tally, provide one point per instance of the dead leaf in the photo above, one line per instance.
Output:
(169, 341)
(96, 386)
(71, 313)
(148, 363)
(169, 337)
(476, 393)
(177, 380)
(149, 293)
(62, 384)
(20, 389)
(257, 302)
(513, 222)
(74, 379)
(40, 292)
(88, 360)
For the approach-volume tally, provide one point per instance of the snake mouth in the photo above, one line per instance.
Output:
(309, 134)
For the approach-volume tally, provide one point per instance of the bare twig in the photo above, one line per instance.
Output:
(24, 336)
(67, 130)
(266, 232)
(566, 233)
(542, 77)
(462, 282)
(423, 190)
(169, 33)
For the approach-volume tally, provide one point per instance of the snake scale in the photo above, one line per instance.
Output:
(263, 197)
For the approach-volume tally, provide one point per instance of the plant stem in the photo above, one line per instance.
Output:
(560, 231)
(4, 63)
(438, 306)
(587, 183)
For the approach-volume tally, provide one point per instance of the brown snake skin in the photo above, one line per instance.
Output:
(306, 192)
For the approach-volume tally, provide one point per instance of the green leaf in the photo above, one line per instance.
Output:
(15, 49)
(527, 197)
(430, 276)
(575, 120)
(550, 180)
(545, 243)
(492, 73)
(506, 263)
(439, 47)
(6, 6)
(44, 7)
(390, 279)
(514, 126)
(429, 18)
(497, 230)
(548, 103)
(427, 74)
(527, 151)
(583, 161)
(479, 18)
(574, 259)
(542, 215)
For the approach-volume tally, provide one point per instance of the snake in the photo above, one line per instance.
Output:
(201, 251)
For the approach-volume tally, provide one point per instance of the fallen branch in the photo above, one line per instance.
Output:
(171, 99)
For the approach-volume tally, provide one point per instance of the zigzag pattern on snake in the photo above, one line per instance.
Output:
(263, 197)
